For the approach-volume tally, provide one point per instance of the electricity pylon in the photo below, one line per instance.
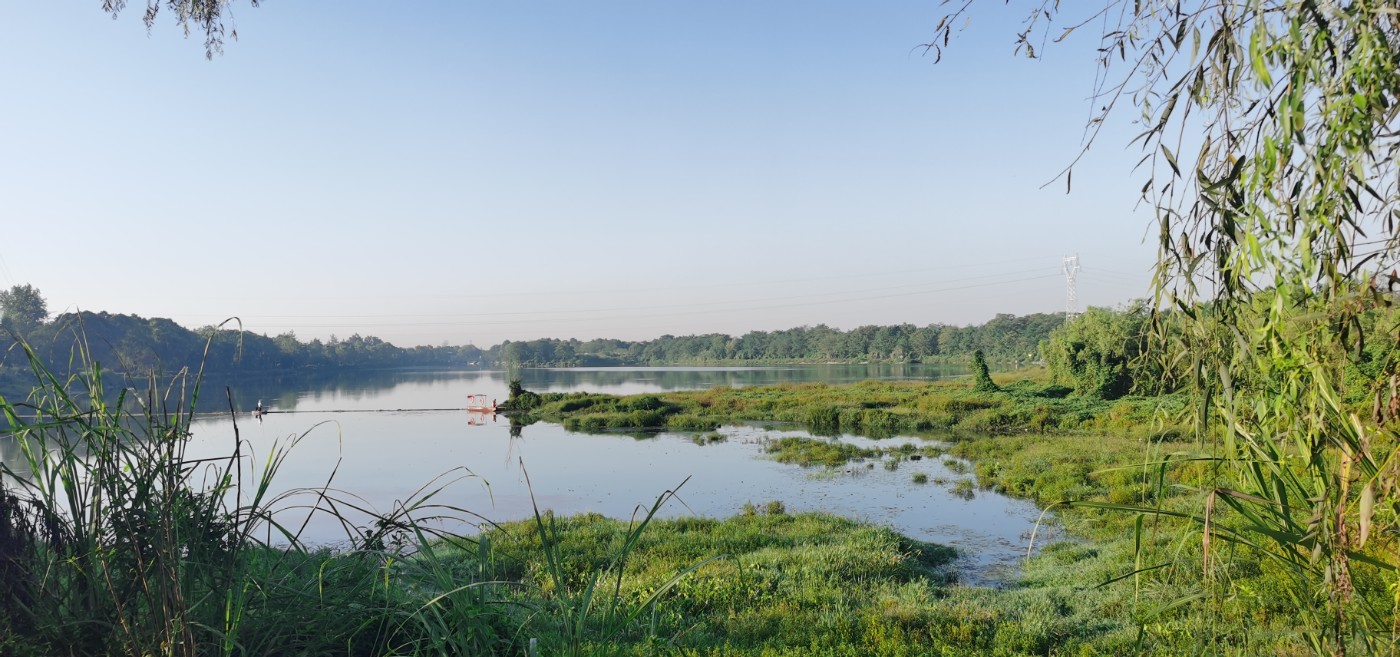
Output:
(1071, 269)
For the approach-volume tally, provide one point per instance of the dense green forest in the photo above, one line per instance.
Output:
(136, 344)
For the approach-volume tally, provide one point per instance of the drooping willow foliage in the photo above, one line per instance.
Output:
(212, 17)
(1269, 141)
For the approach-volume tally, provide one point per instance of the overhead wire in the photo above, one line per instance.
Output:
(5, 270)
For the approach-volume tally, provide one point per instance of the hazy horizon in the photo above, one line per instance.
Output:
(233, 326)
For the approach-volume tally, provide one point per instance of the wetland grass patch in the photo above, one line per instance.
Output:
(875, 409)
(808, 452)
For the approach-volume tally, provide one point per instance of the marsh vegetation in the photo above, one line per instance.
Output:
(187, 567)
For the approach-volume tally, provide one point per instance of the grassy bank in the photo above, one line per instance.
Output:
(812, 584)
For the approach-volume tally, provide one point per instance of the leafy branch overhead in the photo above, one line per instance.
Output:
(206, 16)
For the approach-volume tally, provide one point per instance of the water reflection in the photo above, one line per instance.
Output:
(383, 447)
(287, 390)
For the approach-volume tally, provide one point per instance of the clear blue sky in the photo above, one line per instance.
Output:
(460, 172)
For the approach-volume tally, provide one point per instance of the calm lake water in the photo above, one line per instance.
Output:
(386, 436)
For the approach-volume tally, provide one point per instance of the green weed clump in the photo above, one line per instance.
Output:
(964, 488)
(587, 423)
(616, 421)
(686, 422)
(807, 452)
(709, 438)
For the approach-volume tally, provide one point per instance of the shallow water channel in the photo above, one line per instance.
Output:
(383, 451)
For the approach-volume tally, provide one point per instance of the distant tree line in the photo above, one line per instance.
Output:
(1005, 338)
(134, 344)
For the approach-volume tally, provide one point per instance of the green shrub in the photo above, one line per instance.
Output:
(647, 419)
(524, 401)
(982, 378)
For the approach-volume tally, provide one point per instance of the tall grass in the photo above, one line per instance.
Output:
(118, 542)
(594, 614)
(113, 540)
